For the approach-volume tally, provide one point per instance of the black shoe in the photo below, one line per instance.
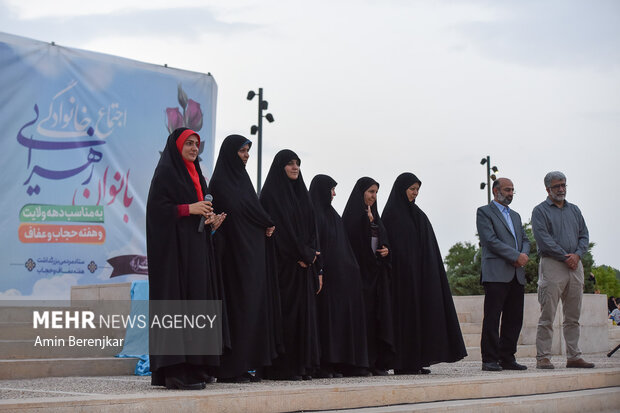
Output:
(306, 377)
(491, 366)
(379, 372)
(512, 365)
(337, 375)
(254, 378)
(322, 374)
(423, 371)
(405, 372)
(176, 383)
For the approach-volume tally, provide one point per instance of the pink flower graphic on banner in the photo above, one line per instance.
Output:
(191, 116)
(175, 119)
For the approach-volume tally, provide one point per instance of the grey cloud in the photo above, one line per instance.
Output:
(550, 33)
(180, 23)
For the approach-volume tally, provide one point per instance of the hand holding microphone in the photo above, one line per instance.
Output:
(209, 210)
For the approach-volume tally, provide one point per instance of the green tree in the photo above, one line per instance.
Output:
(606, 280)
(463, 269)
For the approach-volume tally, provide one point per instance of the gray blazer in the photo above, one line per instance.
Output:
(498, 245)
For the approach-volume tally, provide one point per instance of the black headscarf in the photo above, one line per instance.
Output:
(375, 272)
(180, 259)
(426, 325)
(342, 320)
(232, 188)
(288, 203)
(358, 226)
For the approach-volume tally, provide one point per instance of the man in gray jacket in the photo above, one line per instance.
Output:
(505, 249)
(562, 238)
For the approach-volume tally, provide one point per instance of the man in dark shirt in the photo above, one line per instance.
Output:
(562, 239)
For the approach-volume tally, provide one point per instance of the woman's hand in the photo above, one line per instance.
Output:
(316, 255)
(383, 251)
(269, 231)
(204, 208)
(304, 265)
(369, 212)
(217, 221)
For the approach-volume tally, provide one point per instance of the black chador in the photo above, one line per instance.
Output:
(287, 201)
(180, 259)
(426, 327)
(342, 318)
(366, 237)
(251, 289)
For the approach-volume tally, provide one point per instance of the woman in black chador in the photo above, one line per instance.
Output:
(370, 245)
(180, 259)
(426, 327)
(240, 243)
(342, 321)
(285, 197)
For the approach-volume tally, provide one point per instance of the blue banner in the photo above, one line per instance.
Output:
(81, 136)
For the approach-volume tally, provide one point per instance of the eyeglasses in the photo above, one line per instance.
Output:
(558, 186)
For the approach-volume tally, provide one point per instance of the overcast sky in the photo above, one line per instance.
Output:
(380, 87)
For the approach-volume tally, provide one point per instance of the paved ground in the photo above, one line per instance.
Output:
(125, 385)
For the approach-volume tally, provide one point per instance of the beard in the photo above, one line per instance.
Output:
(557, 197)
(505, 200)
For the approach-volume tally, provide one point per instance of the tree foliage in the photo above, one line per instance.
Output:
(463, 269)
(606, 280)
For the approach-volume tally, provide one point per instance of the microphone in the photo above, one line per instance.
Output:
(201, 226)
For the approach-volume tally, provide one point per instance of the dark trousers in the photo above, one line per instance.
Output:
(505, 301)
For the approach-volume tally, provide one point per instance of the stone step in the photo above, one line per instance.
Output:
(464, 317)
(597, 400)
(54, 348)
(66, 367)
(471, 328)
(528, 350)
(614, 333)
(21, 330)
(98, 395)
(473, 339)
(22, 313)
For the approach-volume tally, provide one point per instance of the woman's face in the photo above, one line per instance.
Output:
(370, 196)
(190, 148)
(333, 193)
(292, 169)
(244, 153)
(412, 191)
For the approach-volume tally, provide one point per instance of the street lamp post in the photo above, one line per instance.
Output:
(490, 176)
(262, 105)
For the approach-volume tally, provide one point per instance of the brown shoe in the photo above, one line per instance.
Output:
(544, 363)
(579, 364)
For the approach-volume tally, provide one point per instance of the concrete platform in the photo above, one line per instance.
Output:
(460, 386)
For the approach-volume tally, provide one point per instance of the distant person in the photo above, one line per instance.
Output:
(340, 304)
(611, 304)
(562, 239)
(505, 249)
(615, 315)
(252, 299)
(285, 198)
(370, 244)
(180, 259)
(426, 326)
